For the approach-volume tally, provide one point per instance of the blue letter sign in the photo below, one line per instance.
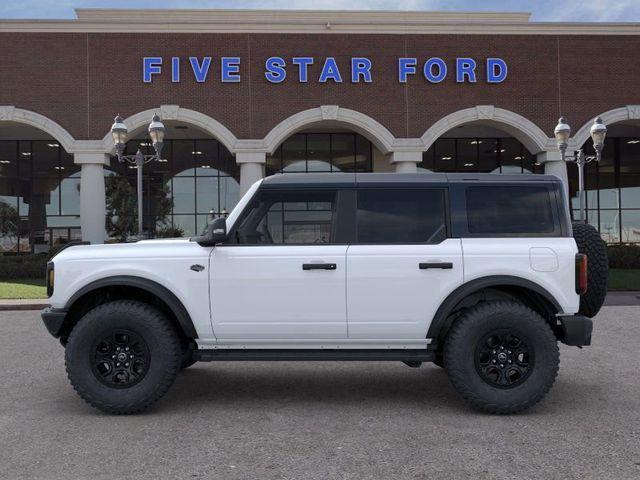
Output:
(200, 71)
(496, 70)
(434, 69)
(360, 67)
(303, 67)
(151, 66)
(428, 70)
(275, 69)
(330, 71)
(406, 66)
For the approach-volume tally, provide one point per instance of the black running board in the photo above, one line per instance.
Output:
(223, 354)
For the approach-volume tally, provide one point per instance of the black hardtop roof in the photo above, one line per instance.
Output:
(398, 179)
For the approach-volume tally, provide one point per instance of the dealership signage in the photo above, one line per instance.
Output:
(323, 70)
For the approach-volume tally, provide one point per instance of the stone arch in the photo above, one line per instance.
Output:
(10, 113)
(373, 130)
(629, 112)
(177, 113)
(523, 129)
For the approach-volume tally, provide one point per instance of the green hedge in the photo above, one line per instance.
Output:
(624, 257)
(13, 267)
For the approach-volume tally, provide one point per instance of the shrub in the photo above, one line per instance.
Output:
(624, 256)
(23, 266)
(20, 266)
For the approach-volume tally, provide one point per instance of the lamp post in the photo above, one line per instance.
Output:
(562, 133)
(119, 133)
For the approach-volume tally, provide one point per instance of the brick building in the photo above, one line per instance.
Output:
(251, 93)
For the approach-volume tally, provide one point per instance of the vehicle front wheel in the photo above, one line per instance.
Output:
(123, 356)
(502, 357)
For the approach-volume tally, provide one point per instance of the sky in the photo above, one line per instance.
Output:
(542, 10)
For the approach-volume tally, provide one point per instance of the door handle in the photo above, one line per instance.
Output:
(319, 266)
(442, 265)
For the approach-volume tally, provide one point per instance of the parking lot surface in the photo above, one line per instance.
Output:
(322, 420)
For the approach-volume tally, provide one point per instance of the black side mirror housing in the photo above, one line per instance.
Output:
(216, 233)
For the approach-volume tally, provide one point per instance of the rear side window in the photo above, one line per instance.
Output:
(509, 210)
(401, 216)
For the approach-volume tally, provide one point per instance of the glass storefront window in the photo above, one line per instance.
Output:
(39, 195)
(613, 190)
(322, 152)
(195, 181)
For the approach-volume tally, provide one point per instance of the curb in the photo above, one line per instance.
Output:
(8, 307)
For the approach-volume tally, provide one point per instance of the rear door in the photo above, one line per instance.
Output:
(402, 264)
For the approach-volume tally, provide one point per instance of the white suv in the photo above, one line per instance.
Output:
(477, 273)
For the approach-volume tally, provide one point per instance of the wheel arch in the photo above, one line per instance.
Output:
(135, 288)
(529, 292)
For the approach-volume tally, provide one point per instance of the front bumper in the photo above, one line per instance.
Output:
(53, 319)
(575, 330)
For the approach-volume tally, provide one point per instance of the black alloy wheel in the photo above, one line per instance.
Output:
(120, 359)
(504, 359)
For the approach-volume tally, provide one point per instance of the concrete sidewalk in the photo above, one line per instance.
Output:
(629, 298)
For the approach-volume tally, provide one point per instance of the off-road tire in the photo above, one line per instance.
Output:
(469, 331)
(147, 323)
(591, 244)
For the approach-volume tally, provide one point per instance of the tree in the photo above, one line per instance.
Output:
(9, 221)
(122, 207)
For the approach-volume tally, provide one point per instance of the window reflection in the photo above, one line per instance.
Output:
(198, 180)
(488, 155)
(322, 152)
(39, 196)
(613, 190)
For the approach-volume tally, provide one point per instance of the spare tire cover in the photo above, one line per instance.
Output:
(591, 244)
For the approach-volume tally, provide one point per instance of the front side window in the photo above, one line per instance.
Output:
(509, 210)
(401, 216)
(281, 217)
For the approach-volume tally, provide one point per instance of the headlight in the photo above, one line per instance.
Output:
(50, 279)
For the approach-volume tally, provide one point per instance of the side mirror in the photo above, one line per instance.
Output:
(218, 230)
(216, 233)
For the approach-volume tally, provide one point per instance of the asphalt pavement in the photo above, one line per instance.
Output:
(324, 421)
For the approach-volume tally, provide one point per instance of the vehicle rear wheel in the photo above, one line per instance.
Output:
(591, 244)
(122, 356)
(502, 357)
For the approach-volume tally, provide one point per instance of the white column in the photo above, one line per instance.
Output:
(92, 195)
(553, 165)
(406, 162)
(251, 168)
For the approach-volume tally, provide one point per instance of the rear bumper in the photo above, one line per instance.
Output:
(53, 319)
(575, 330)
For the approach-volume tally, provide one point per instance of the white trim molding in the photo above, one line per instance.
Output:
(179, 114)
(523, 129)
(9, 113)
(309, 21)
(373, 130)
(629, 112)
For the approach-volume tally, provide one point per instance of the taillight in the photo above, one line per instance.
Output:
(581, 273)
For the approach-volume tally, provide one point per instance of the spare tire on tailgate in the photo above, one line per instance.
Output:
(591, 244)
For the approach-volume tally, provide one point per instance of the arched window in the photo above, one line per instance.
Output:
(199, 177)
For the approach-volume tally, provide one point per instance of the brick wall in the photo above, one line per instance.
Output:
(82, 80)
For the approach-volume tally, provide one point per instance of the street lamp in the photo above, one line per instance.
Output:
(119, 133)
(562, 133)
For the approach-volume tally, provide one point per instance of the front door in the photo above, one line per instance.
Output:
(403, 263)
(282, 275)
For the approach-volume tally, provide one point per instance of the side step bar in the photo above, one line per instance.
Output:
(214, 355)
